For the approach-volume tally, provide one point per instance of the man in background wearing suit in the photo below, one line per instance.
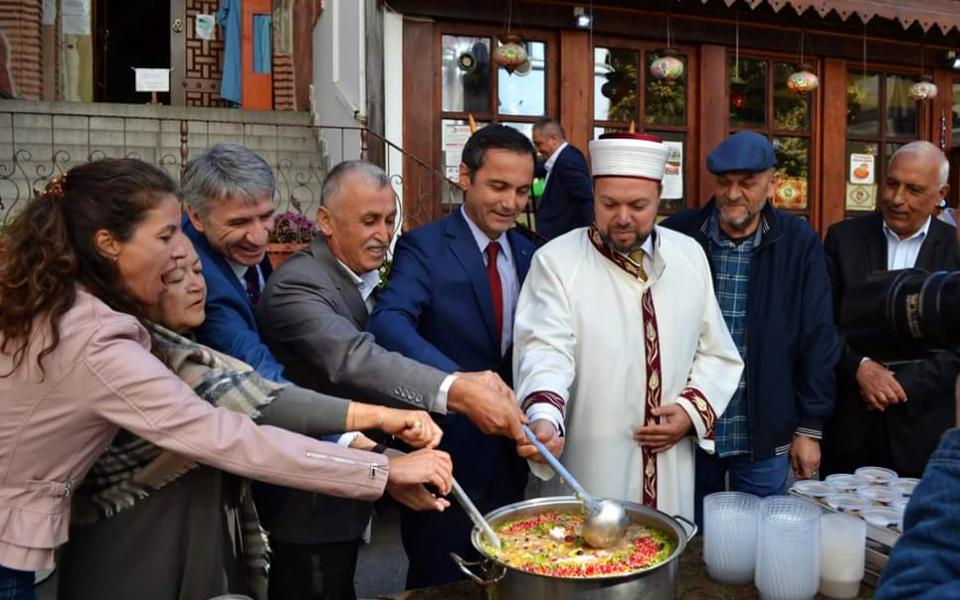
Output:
(892, 415)
(313, 314)
(228, 192)
(450, 303)
(567, 201)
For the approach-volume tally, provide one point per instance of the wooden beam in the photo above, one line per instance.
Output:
(421, 118)
(576, 86)
(714, 114)
(833, 156)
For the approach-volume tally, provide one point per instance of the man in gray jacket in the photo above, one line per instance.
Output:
(312, 314)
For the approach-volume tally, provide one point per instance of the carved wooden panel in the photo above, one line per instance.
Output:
(203, 58)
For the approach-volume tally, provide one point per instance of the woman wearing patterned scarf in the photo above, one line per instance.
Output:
(195, 529)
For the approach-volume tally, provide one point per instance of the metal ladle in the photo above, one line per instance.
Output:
(606, 521)
(474, 513)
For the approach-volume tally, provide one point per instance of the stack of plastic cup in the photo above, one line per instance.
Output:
(788, 549)
(842, 547)
(730, 536)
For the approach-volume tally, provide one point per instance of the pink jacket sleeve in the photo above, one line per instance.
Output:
(136, 391)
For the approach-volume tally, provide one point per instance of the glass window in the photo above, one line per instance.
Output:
(793, 171)
(665, 102)
(956, 114)
(748, 92)
(615, 84)
(524, 92)
(465, 74)
(791, 112)
(901, 108)
(863, 104)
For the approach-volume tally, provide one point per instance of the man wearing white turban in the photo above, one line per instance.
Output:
(622, 358)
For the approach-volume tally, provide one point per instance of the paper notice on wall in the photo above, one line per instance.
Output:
(75, 17)
(49, 12)
(861, 168)
(152, 80)
(455, 136)
(673, 172)
(206, 27)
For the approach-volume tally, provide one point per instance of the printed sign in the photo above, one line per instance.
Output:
(152, 80)
(206, 27)
(861, 168)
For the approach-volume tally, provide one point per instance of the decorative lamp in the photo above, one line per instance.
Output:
(738, 93)
(667, 67)
(803, 81)
(923, 89)
(510, 53)
(524, 69)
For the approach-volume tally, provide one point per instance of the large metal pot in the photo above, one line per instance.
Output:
(501, 582)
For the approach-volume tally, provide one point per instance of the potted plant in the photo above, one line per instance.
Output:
(292, 231)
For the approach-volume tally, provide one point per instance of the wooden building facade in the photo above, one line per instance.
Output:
(832, 144)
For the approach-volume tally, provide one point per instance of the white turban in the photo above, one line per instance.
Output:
(628, 155)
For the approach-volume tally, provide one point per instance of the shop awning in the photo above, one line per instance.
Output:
(944, 14)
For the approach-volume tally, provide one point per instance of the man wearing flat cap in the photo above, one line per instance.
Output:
(770, 277)
(622, 360)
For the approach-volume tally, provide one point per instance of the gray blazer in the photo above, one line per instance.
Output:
(312, 318)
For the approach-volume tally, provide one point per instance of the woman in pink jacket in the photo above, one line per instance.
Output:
(78, 265)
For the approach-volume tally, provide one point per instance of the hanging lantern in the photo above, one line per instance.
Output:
(667, 67)
(738, 93)
(510, 53)
(524, 69)
(923, 90)
(803, 81)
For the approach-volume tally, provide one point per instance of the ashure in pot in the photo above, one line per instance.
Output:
(660, 550)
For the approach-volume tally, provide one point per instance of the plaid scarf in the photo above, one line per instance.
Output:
(132, 468)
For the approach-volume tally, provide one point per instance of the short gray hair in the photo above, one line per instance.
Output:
(224, 171)
(924, 149)
(334, 183)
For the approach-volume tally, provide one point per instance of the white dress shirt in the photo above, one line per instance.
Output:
(902, 253)
(365, 282)
(552, 161)
(241, 270)
(509, 281)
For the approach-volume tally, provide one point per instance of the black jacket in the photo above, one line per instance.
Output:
(792, 347)
(856, 248)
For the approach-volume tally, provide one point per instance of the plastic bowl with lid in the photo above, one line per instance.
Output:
(877, 475)
(847, 503)
(879, 495)
(845, 482)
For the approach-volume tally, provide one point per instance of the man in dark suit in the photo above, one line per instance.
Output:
(567, 201)
(313, 314)
(892, 415)
(228, 193)
(449, 303)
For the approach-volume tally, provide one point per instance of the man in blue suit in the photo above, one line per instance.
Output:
(567, 201)
(229, 203)
(450, 303)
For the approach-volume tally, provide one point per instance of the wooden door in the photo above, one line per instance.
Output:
(197, 64)
(257, 81)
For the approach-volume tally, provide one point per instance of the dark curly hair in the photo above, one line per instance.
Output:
(49, 248)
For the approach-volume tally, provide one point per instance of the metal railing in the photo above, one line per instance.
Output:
(37, 146)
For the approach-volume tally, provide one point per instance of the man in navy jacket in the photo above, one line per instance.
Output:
(772, 285)
(567, 201)
(449, 304)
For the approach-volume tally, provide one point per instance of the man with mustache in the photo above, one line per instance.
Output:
(771, 282)
(312, 314)
(449, 303)
(623, 361)
(892, 414)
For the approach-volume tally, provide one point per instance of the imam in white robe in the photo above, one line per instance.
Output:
(596, 347)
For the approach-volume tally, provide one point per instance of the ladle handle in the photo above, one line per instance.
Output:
(475, 515)
(554, 462)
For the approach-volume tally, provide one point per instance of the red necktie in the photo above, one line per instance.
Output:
(496, 290)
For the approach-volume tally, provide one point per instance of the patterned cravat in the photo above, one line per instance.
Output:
(252, 279)
(496, 288)
(637, 257)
